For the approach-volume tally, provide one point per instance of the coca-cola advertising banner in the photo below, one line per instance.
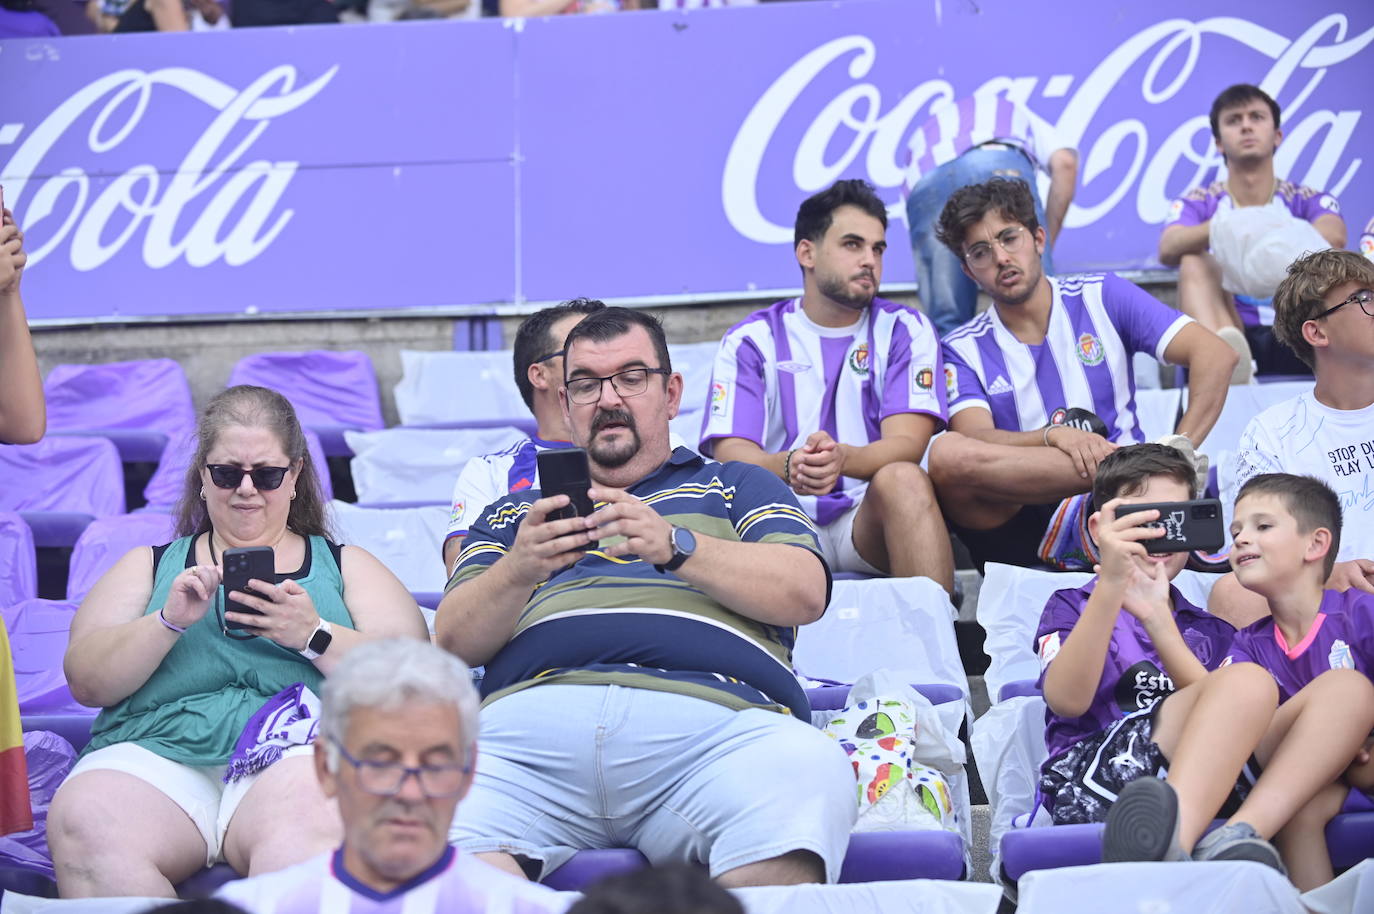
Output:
(655, 154)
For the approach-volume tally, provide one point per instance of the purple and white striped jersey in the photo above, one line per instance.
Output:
(1367, 240)
(456, 884)
(955, 128)
(1097, 322)
(779, 376)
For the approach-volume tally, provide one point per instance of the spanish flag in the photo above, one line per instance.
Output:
(15, 812)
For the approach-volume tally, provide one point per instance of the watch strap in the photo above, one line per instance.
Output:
(318, 642)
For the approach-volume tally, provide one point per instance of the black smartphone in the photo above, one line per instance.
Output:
(241, 566)
(565, 471)
(1188, 525)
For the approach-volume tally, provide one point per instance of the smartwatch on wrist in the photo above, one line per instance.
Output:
(684, 543)
(319, 641)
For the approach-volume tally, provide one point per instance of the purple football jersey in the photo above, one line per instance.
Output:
(1133, 676)
(1341, 637)
(1097, 322)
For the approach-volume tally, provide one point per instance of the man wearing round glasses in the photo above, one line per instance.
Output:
(1324, 312)
(1041, 388)
(397, 747)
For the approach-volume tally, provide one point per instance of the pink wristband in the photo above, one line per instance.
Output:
(163, 619)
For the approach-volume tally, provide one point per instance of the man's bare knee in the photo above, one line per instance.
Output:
(902, 483)
(792, 868)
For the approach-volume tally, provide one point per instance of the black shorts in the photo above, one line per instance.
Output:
(1271, 356)
(1080, 785)
(1017, 542)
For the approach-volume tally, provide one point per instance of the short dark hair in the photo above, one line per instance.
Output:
(1234, 97)
(1302, 294)
(677, 888)
(533, 341)
(1011, 197)
(1126, 470)
(610, 323)
(818, 211)
(1312, 503)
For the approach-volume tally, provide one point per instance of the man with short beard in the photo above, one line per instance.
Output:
(1041, 388)
(639, 681)
(836, 393)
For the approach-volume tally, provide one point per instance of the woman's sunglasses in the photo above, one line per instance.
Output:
(265, 479)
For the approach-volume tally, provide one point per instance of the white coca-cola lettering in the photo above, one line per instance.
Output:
(854, 118)
(207, 173)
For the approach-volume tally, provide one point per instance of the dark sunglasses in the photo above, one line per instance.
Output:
(265, 479)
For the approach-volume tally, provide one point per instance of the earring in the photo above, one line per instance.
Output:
(202, 493)
(293, 495)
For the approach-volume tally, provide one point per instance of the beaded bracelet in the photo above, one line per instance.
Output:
(787, 467)
(163, 619)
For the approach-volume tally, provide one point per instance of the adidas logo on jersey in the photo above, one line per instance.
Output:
(1000, 386)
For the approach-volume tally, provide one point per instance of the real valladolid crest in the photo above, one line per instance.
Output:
(222, 204)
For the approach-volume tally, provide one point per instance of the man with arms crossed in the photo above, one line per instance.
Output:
(1041, 387)
(835, 393)
(1323, 311)
(396, 749)
(538, 355)
(637, 694)
(1245, 125)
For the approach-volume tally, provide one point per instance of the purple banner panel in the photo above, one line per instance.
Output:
(664, 153)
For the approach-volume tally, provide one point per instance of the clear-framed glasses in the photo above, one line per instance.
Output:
(1009, 239)
(385, 779)
(1364, 298)
(228, 476)
(628, 383)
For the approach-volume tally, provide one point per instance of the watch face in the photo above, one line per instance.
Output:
(684, 541)
(319, 641)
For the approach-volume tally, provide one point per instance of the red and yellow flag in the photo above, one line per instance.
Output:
(16, 814)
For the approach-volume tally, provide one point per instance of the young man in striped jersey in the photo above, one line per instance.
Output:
(639, 682)
(1040, 385)
(836, 392)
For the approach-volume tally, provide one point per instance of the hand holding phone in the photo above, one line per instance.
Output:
(240, 567)
(1188, 525)
(566, 471)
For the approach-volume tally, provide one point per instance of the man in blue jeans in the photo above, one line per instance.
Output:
(967, 142)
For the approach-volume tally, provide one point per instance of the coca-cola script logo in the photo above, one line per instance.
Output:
(209, 185)
(855, 122)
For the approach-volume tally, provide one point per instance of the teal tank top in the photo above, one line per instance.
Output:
(196, 703)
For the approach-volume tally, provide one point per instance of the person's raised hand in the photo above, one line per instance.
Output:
(1120, 541)
(817, 465)
(646, 533)
(286, 614)
(1086, 449)
(542, 546)
(12, 255)
(190, 596)
(1357, 573)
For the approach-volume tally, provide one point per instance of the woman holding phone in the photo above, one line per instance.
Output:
(155, 646)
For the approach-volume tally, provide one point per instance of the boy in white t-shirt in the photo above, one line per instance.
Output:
(1324, 312)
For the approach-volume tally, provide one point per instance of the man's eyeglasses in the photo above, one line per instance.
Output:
(265, 479)
(1010, 240)
(385, 779)
(551, 355)
(628, 383)
(1363, 297)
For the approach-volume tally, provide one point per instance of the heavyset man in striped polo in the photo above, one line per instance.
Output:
(1012, 474)
(641, 694)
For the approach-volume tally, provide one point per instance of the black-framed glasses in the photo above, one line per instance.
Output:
(385, 779)
(551, 355)
(1009, 239)
(228, 476)
(628, 383)
(1363, 297)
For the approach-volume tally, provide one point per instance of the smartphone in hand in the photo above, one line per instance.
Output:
(1188, 525)
(565, 471)
(241, 566)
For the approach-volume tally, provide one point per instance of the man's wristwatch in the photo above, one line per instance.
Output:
(684, 543)
(319, 641)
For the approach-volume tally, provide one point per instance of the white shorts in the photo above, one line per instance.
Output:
(837, 545)
(199, 791)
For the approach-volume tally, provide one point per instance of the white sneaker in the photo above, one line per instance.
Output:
(1245, 366)
(1199, 461)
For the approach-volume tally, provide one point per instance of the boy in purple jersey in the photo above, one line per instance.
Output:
(1287, 532)
(1012, 473)
(1245, 124)
(1113, 650)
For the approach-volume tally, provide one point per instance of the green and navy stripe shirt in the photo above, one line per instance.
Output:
(617, 620)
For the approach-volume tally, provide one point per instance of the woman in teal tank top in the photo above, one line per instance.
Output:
(146, 806)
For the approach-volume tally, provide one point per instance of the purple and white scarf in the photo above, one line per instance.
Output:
(289, 718)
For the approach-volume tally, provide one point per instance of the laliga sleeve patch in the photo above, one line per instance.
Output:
(1048, 648)
(720, 398)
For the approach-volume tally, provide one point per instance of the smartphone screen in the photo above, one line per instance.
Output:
(240, 567)
(565, 471)
(1188, 525)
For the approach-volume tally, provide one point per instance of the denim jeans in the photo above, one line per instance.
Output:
(949, 297)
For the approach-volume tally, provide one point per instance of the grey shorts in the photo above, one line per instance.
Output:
(563, 768)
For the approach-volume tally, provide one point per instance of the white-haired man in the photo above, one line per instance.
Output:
(396, 750)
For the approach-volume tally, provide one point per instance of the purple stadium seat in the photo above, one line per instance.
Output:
(139, 406)
(427, 599)
(106, 540)
(1018, 688)
(206, 882)
(331, 391)
(38, 639)
(64, 483)
(18, 566)
(165, 487)
(587, 867)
